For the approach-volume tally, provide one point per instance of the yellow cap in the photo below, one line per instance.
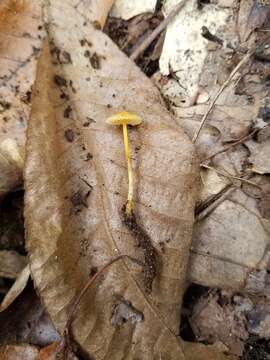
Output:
(124, 117)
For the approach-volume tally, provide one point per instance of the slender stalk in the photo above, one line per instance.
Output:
(129, 206)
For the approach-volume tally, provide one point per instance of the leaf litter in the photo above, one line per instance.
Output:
(21, 34)
(100, 224)
(216, 258)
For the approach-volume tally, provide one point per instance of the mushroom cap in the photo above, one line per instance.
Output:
(124, 117)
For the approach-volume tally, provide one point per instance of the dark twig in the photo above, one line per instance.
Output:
(215, 202)
(211, 37)
(230, 176)
(240, 141)
(149, 39)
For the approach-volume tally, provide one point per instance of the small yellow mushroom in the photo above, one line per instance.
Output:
(125, 118)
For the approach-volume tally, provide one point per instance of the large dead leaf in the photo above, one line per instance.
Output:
(251, 16)
(20, 38)
(16, 289)
(76, 185)
(21, 34)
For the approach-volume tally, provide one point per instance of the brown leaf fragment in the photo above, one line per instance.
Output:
(165, 187)
(18, 352)
(11, 264)
(259, 156)
(219, 319)
(11, 165)
(264, 205)
(16, 289)
(252, 15)
(215, 250)
(51, 352)
(196, 351)
(21, 35)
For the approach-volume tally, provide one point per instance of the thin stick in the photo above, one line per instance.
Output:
(224, 85)
(223, 196)
(230, 176)
(240, 141)
(149, 39)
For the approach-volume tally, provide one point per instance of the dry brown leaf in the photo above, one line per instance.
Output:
(16, 288)
(18, 352)
(226, 246)
(259, 157)
(252, 15)
(206, 352)
(11, 264)
(51, 352)
(221, 318)
(20, 37)
(76, 185)
(21, 34)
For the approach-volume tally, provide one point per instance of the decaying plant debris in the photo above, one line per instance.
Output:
(86, 237)
(143, 242)
(21, 38)
(211, 68)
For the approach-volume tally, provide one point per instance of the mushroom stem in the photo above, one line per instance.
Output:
(129, 205)
(126, 118)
